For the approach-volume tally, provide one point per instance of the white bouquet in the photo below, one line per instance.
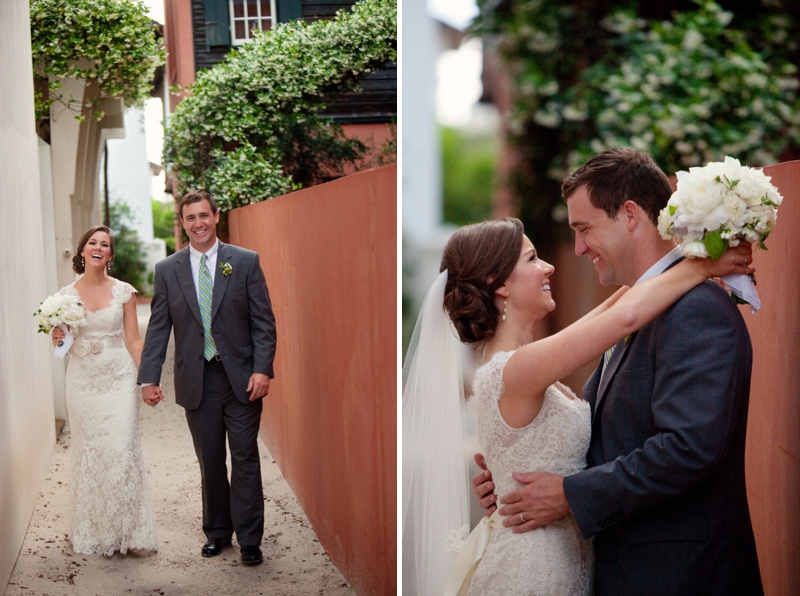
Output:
(62, 311)
(718, 206)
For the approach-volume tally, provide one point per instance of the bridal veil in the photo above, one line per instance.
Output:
(436, 483)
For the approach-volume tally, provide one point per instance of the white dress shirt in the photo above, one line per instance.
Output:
(194, 258)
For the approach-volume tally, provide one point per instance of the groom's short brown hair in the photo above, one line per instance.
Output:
(195, 196)
(619, 175)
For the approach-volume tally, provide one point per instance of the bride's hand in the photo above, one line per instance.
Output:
(733, 261)
(57, 335)
(483, 487)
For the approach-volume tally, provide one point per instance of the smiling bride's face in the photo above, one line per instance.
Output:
(97, 251)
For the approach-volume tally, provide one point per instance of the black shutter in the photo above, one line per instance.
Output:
(217, 22)
(289, 10)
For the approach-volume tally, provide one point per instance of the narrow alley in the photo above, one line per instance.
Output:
(294, 560)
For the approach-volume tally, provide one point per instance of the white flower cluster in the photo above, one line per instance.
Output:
(719, 205)
(60, 309)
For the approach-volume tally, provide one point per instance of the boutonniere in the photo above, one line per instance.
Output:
(227, 269)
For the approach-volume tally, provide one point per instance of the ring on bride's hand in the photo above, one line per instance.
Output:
(522, 516)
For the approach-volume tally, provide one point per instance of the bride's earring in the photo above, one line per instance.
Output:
(504, 309)
(83, 262)
(108, 267)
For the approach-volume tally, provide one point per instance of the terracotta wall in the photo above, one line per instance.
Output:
(329, 254)
(773, 439)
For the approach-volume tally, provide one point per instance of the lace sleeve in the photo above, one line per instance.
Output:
(126, 290)
(67, 290)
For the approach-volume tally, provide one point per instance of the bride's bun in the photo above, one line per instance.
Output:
(479, 258)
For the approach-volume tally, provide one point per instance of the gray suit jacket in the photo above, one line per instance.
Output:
(242, 324)
(664, 494)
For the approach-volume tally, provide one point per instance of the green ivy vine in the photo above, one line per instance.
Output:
(251, 129)
(688, 88)
(111, 41)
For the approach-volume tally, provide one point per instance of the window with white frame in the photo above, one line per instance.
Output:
(249, 16)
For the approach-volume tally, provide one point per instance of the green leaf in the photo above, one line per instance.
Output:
(672, 209)
(715, 244)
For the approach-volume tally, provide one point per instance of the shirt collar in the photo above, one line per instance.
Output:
(210, 252)
(661, 265)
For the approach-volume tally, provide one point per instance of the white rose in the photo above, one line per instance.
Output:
(698, 196)
(737, 210)
(749, 192)
(694, 249)
(663, 223)
(751, 235)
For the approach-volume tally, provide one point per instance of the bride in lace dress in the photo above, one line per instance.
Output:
(110, 502)
(494, 290)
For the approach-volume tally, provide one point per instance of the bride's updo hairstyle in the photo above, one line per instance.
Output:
(78, 266)
(479, 258)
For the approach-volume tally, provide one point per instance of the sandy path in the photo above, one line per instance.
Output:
(294, 560)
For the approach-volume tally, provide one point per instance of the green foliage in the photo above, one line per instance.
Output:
(112, 41)
(594, 74)
(251, 128)
(129, 257)
(164, 224)
(469, 165)
(690, 91)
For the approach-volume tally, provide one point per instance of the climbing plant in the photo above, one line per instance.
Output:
(688, 86)
(111, 41)
(251, 128)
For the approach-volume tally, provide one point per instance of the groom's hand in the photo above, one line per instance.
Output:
(483, 487)
(542, 501)
(152, 394)
(258, 386)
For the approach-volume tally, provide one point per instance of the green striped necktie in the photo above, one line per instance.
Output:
(206, 299)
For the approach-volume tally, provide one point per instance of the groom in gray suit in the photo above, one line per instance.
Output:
(664, 494)
(214, 297)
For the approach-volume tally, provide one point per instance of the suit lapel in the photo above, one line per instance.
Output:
(183, 269)
(220, 281)
(620, 349)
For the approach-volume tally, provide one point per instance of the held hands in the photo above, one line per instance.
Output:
(258, 386)
(152, 394)
(733, 261)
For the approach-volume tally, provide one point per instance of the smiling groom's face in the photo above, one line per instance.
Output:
(200, 224)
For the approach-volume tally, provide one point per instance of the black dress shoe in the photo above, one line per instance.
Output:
(214, 546)
(251, 555)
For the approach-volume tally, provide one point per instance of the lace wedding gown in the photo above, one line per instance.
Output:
(555, 559)
(109, 494)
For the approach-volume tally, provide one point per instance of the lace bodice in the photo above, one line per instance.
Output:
(105, 323)
(554, 560)
(556, 441)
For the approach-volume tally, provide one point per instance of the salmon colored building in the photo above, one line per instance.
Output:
(329, 254)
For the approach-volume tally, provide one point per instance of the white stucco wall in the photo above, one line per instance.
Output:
(421, 172)
(26, 396)
(129, 175)
(130, 179)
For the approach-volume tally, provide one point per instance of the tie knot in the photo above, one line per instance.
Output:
(204, 259)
